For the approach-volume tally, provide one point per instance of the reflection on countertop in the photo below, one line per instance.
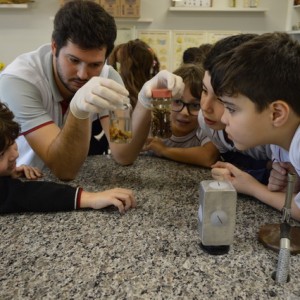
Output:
(151, 252)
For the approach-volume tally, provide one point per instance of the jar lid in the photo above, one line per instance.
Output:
(161, 93)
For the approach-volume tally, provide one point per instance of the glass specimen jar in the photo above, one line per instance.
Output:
(161, 111)
(120, 129)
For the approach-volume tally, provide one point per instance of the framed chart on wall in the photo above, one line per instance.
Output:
(160, 42)
(125, 33)
(169, 45)
(183, 39)
(214, 36)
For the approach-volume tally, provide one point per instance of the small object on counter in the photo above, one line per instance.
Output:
(283, 265)
(161, 113)
(216, 215)
(273, 235)
(120, 130)
(269, 236)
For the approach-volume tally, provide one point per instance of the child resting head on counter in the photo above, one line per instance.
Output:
(187, 144)
(41, 196)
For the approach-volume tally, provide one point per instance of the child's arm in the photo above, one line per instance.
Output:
(123, 199)
(27, 172)
(31, 196)
(203, 156)
(247, 184)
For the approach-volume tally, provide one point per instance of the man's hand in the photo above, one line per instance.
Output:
(164, 79)
(98, 94)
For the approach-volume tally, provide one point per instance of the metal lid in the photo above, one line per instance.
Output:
(161, 93)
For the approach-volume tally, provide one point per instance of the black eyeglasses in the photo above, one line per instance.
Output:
(193, 108)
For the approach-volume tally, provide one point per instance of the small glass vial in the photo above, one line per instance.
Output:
(120, 130)
(161, 113)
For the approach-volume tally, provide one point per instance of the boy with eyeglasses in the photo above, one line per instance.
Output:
(187, 144)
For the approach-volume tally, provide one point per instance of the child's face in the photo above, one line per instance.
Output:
(8, 160)
(245, 126)
(211, 107)
(183, 122)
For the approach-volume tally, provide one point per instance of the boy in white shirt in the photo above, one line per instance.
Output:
(254, 161)
(259, 86)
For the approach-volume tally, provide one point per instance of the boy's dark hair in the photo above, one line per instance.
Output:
(196, 54)
(224, 45)
(9, 129)
(86, 24)
(192, 76)
(264, 69)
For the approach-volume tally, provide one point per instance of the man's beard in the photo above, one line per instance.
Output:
(63, 80)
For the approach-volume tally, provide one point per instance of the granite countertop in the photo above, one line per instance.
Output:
(151, 252)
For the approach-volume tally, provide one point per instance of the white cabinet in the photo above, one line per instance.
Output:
(293, 18)
(216, 6)
(21, 5)
(217, 9)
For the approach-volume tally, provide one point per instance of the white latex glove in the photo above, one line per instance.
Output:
(97, 94)
(164, 79)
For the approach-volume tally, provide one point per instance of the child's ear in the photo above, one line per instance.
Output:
(280, 112)
(53, 47)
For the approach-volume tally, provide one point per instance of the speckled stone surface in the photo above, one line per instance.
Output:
(151, 252)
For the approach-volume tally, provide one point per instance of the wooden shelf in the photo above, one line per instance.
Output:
(126, 20)
(293, 32)
(133, 20)
(22, 5)
(214, 9)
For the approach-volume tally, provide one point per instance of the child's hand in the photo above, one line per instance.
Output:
(278, 176)
(27, 172)
(121, 198)
(156, 145)
(243, 182)
(220, 173)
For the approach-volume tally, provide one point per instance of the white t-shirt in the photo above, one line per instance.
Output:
(193, 139)
(293, 156)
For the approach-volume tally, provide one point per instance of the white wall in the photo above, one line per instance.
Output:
(273, 19)
(22, 30)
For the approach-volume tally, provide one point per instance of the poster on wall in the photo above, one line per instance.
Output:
(214, 36)
(183, 39)
(160, 42)
(169, 45)
(125, 34)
